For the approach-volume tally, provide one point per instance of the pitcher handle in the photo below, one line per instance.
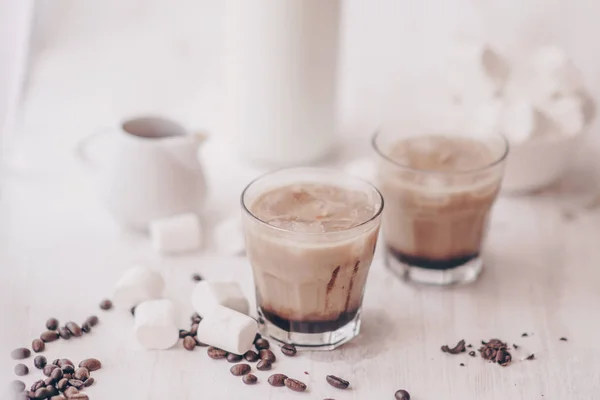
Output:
(82, 146)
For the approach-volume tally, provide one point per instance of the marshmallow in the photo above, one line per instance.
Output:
(363, 168)
(138, 284)
(207, 295)
(227, 329)
(156, 324)
(518, 120)
(567, 113)
(229, 237)
(553, 73)
(176, 234)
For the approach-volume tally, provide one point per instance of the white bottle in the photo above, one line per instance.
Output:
(281, 73)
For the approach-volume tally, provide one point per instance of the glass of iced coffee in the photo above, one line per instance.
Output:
(439, 190)
(310, 237)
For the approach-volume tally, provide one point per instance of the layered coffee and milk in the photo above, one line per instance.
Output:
(311, 246)
(438, 192)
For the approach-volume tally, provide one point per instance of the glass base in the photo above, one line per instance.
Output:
(465, 273)
(310, 341)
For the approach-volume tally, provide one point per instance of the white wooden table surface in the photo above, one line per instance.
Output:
(60, 254)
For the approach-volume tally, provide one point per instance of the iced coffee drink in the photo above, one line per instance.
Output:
(439, 190)
(310, 237)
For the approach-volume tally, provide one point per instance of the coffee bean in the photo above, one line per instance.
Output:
(17, 386)
(68, 376)
(277, 380)
(92, 320)
(233, 358)
(196, 277)
(40, 362)
(337, 382)
(106, 304)
(264, 365)
(79, 396)
(469, 345)
(58, 397)
(531, 357)
(57, 375)
(515, 346)
(462, 364)
(21, 370)
(38, 345)
(20, 354)
(459, 348)
(524, 334)
(266, 354)
(189, 343)
(563, 339)
(82, 374)
(216, 353)
(71, 391)
(49, 368)
(262, 344)
(42, 393)
(503, 357)
(196, 318)
(49, 336)
(89, 381)
(132, 311)
(49, 382)
(294, 385)
(251, 356)
(52, 324)
(289, 350)
(64, 333)
(65, 361)
(240, 369)
(86, 328)
(74, 329)
(62, 384)
(68, 369)
(76, 383)
(37, 384)
(402, 395)
(52, 391)
(194, 330)
(183, 333)
(199, 343)
(250, 379)
(91, 364)
(256, 337)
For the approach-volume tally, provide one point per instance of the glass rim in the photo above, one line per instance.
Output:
(499, 160)
(375, 215)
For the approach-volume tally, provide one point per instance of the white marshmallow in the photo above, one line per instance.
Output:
(207, 295)
(138, 284)
(229, 237)
(364, 168)
(567, 113)
(156, 324)
(518, 120)
(176, 234)
(228, 330)
(552, 74)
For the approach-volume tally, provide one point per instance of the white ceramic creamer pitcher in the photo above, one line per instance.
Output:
(152, 172)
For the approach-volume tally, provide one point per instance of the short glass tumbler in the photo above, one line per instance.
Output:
(310, 285)
(439, 190)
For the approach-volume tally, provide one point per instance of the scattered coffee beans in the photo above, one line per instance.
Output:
(196, 277)
(91, 364)
(17, 386)
(21, 370)
(462, 364)
(264, 365)
(402, 395)
(49, 368)
(86, 328)
(250, 379)
(79, 396)
(337, 382)
(216, 353)
(64, 333)
(240, 369)
(277, 380)
(76, 383)
(62, 384)
(82, 374)
(289, 350)
(71, 391)
(48, 381)
(531, 357)
(64, 361)
(40, 362)
(74, 329)
(524, 334)
(42, 393)
(262, 344)
(196, 318)
(38, 345)
(89, 381)
(52, 391)
(233, 358)
(20, 354)
(251, 356)
(459, 348)
(52, 324)
(92, 320)
(37, 384)
(563, 339)
(49, 336)
(189, 343)
(106, 304)
(294, 385)
(183, 334)
(266, 354)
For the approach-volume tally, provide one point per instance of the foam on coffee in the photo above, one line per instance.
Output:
(438, 192)
(305, 282)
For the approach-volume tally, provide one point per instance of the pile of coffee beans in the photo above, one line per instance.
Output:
(190, 341)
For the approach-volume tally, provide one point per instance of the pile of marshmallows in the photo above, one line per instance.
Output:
(533, 95)
(222, 305)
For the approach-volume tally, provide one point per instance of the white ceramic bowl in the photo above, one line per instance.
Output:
(538, 163)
